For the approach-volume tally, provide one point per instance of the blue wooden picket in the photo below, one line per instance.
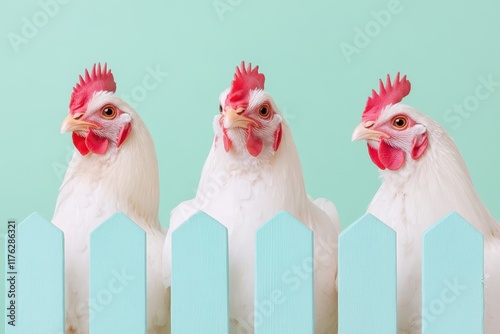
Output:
(284, 282)
(200, 277)
(452, 278)
(367, 278)
(39, 278)
(118, 277)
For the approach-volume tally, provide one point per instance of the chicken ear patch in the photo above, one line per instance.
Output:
(420, 144)
(124, 132)
(80, 145)
(392, 158)
(96, 144)
(254, 144)
(277, 138)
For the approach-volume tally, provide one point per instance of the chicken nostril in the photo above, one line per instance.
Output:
(77, 116)
(368, 124)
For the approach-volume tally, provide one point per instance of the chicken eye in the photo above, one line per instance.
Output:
(220, 108)
(108, 112)
(399, 122)
(264, 111)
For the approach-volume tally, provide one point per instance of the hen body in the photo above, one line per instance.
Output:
(243, 192)
(97, 186)
(415, 196)
(412, 200)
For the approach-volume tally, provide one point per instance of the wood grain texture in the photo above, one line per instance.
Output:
(367, 278)
(452, 278)
(200, 281)
(284, 281)
(118, 277)
(40, 278)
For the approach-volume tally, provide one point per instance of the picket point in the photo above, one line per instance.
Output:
(118, 277)
(38, 276)
(200, 276)
(284, 301)
(452, 277)
(367, 278)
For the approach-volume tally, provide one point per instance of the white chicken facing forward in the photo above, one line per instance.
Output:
(424, 177)
(114, 168)
(254, 154)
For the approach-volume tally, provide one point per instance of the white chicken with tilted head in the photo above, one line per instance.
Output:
(424, 177)
(114, 168)
(256, 167)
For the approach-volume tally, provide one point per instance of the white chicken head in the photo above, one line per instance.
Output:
(395, 133)
(98, 118)
(249, 123)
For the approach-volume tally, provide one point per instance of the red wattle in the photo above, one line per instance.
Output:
(254, 144)
(227, 142)
(392, 158)
(96, 144)
(79, 143)
(374, 156)
(225, 138)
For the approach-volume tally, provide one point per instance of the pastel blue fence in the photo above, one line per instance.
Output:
(200, 260)
(453, 262)
(38, 277)
(452, 252)
(367, 278)
(118, 252)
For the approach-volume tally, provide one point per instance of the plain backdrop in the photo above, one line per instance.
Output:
(321, 60)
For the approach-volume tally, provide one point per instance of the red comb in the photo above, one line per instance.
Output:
(390, 94)
(101, 79)
(245, 80)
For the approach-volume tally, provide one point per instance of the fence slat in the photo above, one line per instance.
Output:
(118, 277)
(284, 279)
(200, 277)
(39, 278)
(367, 278)
(452, 278)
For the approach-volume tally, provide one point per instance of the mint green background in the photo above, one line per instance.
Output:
(444, 47)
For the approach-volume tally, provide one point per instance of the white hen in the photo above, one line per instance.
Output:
(114, 168)
(424, 177)
(256, 172)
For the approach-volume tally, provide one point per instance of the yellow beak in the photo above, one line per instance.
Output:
(72, 123)
(363, 132)
(234, 119)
